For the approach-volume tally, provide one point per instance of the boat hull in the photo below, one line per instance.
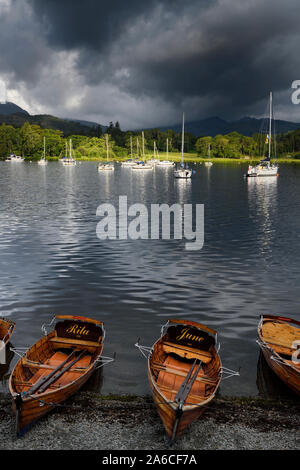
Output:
(55, 368)
(275, 354)
(30, 410)
(169, 367)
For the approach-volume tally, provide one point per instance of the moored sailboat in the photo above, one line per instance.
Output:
(166, 162)
(43, 161)
(107, 166)
(183, 171)
(265, 167)
(69, 160)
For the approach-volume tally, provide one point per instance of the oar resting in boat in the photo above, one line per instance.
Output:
(56, 367)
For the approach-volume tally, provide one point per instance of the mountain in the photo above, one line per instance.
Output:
(13, 115)
(246, 126)
(11, 108)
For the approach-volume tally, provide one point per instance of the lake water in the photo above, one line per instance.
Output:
(53, 263)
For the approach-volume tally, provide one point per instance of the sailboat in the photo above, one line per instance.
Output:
(155, 160)
(265, 167)
(69, 160)
(166, 162)
(209, 163)
(131, 161)
(183, 171)
(43, 161)
(107, 166)
(141, 164)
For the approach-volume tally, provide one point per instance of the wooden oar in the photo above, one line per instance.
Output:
(187, 383)
(44, 379)
(52, 379)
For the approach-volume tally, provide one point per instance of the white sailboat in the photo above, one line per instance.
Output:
(69, 160)
(131, 161)
(43, 161)
(209, 163)
(265, 167)
(155, 160)
(141, 164)
(108, 166)
(166, 162)
(183, 171)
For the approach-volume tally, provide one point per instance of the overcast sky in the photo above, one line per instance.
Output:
(144, 62)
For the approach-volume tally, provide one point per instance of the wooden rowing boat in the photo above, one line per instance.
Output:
(184, 372)
(6, 329)
(55, 368)
(279, 338)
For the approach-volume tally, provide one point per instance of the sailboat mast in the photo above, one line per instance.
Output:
(270, 124)
(107, 153)
(44, 148)
(143, 140)
(167, 149)
(182, 141)
(131, 147)
(70, 148)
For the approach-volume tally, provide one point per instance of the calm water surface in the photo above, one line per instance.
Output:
(52, 261)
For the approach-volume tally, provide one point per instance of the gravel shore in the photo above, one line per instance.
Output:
(132, 423)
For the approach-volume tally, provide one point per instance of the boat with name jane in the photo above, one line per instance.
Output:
(184, 372)
(55, 367)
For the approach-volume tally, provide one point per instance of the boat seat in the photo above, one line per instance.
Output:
(54, 361)
(281, 335)
(187, 352)
(74, 342)
(181, 372)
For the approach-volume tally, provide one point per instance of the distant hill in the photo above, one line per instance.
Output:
(246, 126)
(11, 108)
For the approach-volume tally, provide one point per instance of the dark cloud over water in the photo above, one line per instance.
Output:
(144, 62)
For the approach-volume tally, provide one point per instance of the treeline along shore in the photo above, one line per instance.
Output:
(28, 141)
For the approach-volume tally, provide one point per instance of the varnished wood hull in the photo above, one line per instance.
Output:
(174, 418)
(276, 355)
(51, 355)
(287, 374)
(31, 410)
(169, 416)
(6, 329)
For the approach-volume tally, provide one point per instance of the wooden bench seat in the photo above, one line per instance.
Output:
(187, 352)
(181, 372)
(74, 342)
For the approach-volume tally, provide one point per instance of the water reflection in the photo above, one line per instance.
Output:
(262, 199)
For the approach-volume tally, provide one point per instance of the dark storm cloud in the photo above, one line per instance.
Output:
(143, 62)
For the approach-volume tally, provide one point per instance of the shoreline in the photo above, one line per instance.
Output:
(123, 422)
(175, 159)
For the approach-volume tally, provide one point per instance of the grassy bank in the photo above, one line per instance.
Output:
(188, 157)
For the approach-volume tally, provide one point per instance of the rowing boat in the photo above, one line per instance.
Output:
(184, 372)
(55, 367)
(6, 329)
(279, 338)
